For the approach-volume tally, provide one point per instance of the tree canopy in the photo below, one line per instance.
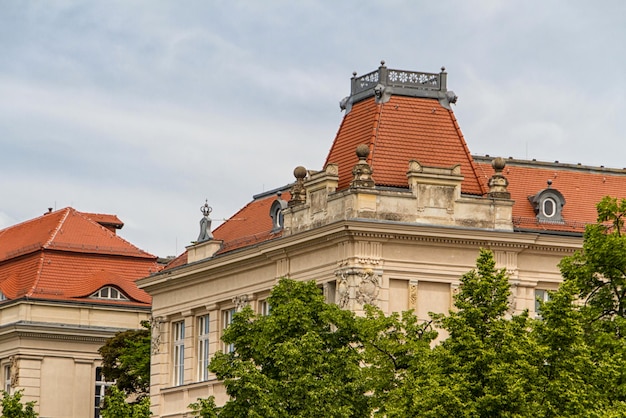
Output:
(126, 361)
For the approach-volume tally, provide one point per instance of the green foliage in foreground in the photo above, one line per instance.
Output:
(12, 406)
(116, 405)
(311, 359)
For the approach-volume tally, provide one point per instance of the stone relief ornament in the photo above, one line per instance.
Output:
(15, 371)
(357, 287)
(155, 326)
(343, 291)
(240, 302)
(413, 294)
(368, 288)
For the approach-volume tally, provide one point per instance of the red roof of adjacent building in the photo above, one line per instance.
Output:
(68, 255)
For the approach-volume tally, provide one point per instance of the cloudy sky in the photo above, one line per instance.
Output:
(145, 109)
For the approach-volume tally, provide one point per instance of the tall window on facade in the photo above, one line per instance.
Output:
(265, 308)
(541, 295)
(101, 386)
(179, 352)
(203, 347)
(7, 378)
(227, 320)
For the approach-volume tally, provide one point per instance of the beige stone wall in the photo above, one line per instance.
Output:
(53, 351)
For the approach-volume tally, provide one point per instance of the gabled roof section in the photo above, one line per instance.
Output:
(406, 121)
(66, 230)
(581, 186)
(66, 256)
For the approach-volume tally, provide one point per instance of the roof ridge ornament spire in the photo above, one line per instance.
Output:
(205, 223)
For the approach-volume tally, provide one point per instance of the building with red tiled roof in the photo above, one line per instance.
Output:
(396, 215)
(67, 283)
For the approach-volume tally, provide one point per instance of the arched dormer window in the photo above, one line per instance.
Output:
(548, 205)
(110, 293)
(276, 213)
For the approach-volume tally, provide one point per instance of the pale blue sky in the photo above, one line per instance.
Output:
(147, 108)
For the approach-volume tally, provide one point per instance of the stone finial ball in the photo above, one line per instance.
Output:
(362, 151)
(299, 172)
(498, 163)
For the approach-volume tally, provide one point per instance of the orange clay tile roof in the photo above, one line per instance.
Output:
(582, 187)
(251, 225)
(67, 256)
(403, 129)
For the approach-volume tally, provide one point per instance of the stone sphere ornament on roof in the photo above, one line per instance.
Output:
(299, 172)
(362, 151)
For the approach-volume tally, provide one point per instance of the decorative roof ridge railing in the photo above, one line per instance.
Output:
(384, 83)
(399, 78)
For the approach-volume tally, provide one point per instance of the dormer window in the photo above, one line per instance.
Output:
(110, 293)
(548, 204)
(2, 296)
(276, 213)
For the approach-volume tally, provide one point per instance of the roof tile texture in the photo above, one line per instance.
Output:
(65, 255)
(403, 129)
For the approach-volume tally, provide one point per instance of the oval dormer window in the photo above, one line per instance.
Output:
(549, 207)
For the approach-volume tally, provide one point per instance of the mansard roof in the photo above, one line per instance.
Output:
(66, 255)
(401, 116)
(400, 130)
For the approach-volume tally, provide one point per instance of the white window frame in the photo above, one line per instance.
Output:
(227, 318)
(553, 202)
(178, 363)
(100, 388)
(7, 378)
(107, 292)
(204, 329)
(264, 307)
(541, 295)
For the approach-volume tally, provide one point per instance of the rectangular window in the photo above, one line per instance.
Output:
(265, 308)
(178, 329)
(541, 295)
(228, 319)
(203, 347)
(101, 386)
(7, 378)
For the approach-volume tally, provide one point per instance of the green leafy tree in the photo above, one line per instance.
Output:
(487, 360)
(300, 361)
(599, 269)
(12, 406)
(126, 361)
(396, 358)
(204, 408)
(117, 406)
